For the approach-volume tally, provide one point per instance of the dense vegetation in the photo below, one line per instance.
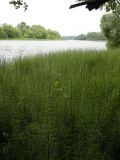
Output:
(61, 107)
(96, 36)
(22, 31)
(110, 25)
(91, 36)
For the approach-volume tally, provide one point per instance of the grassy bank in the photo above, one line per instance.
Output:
(61, 107)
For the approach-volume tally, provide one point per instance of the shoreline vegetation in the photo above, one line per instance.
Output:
(90, 36)
(23, 30)
(37, 32)
(61, 106)
(62, 39)
(32, 39)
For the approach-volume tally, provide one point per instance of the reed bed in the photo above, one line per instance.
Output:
(61, 106)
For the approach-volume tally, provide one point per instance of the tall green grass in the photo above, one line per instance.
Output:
(63, 106)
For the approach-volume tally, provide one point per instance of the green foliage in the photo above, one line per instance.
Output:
(91, 36)
(52, 34)
(81, 37)
(24, 31)
(37, 32)
(61, 107)
(111, 5)
(110, 25)
(8, 31)
(23, 27)
(2, 34)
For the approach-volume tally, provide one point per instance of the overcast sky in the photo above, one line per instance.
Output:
(54, 14)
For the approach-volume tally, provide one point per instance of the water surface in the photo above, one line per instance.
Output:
(10, 49)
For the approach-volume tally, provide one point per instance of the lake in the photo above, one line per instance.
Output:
(10, 49)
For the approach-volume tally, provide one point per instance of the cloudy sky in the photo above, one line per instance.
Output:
(54, 14)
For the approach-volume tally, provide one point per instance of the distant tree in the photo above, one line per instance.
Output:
(91, 36)
(2, 34)
(23, 27)
(95, 36)
(24, 31)
(110, 25)
(9, 31)
(52, 34)
(81, 37)
(37, 31)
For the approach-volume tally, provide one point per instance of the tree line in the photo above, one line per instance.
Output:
(22, 30)
(91, 36)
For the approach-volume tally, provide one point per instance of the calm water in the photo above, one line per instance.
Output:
(10, 49)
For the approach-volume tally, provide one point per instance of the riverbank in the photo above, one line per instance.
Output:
(61, 39)
(61, 106)
(30, 39)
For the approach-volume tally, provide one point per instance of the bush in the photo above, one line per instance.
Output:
(110, 27)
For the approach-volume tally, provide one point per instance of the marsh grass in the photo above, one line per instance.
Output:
(63, 106)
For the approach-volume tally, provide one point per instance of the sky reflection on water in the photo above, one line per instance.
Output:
(11, 49)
